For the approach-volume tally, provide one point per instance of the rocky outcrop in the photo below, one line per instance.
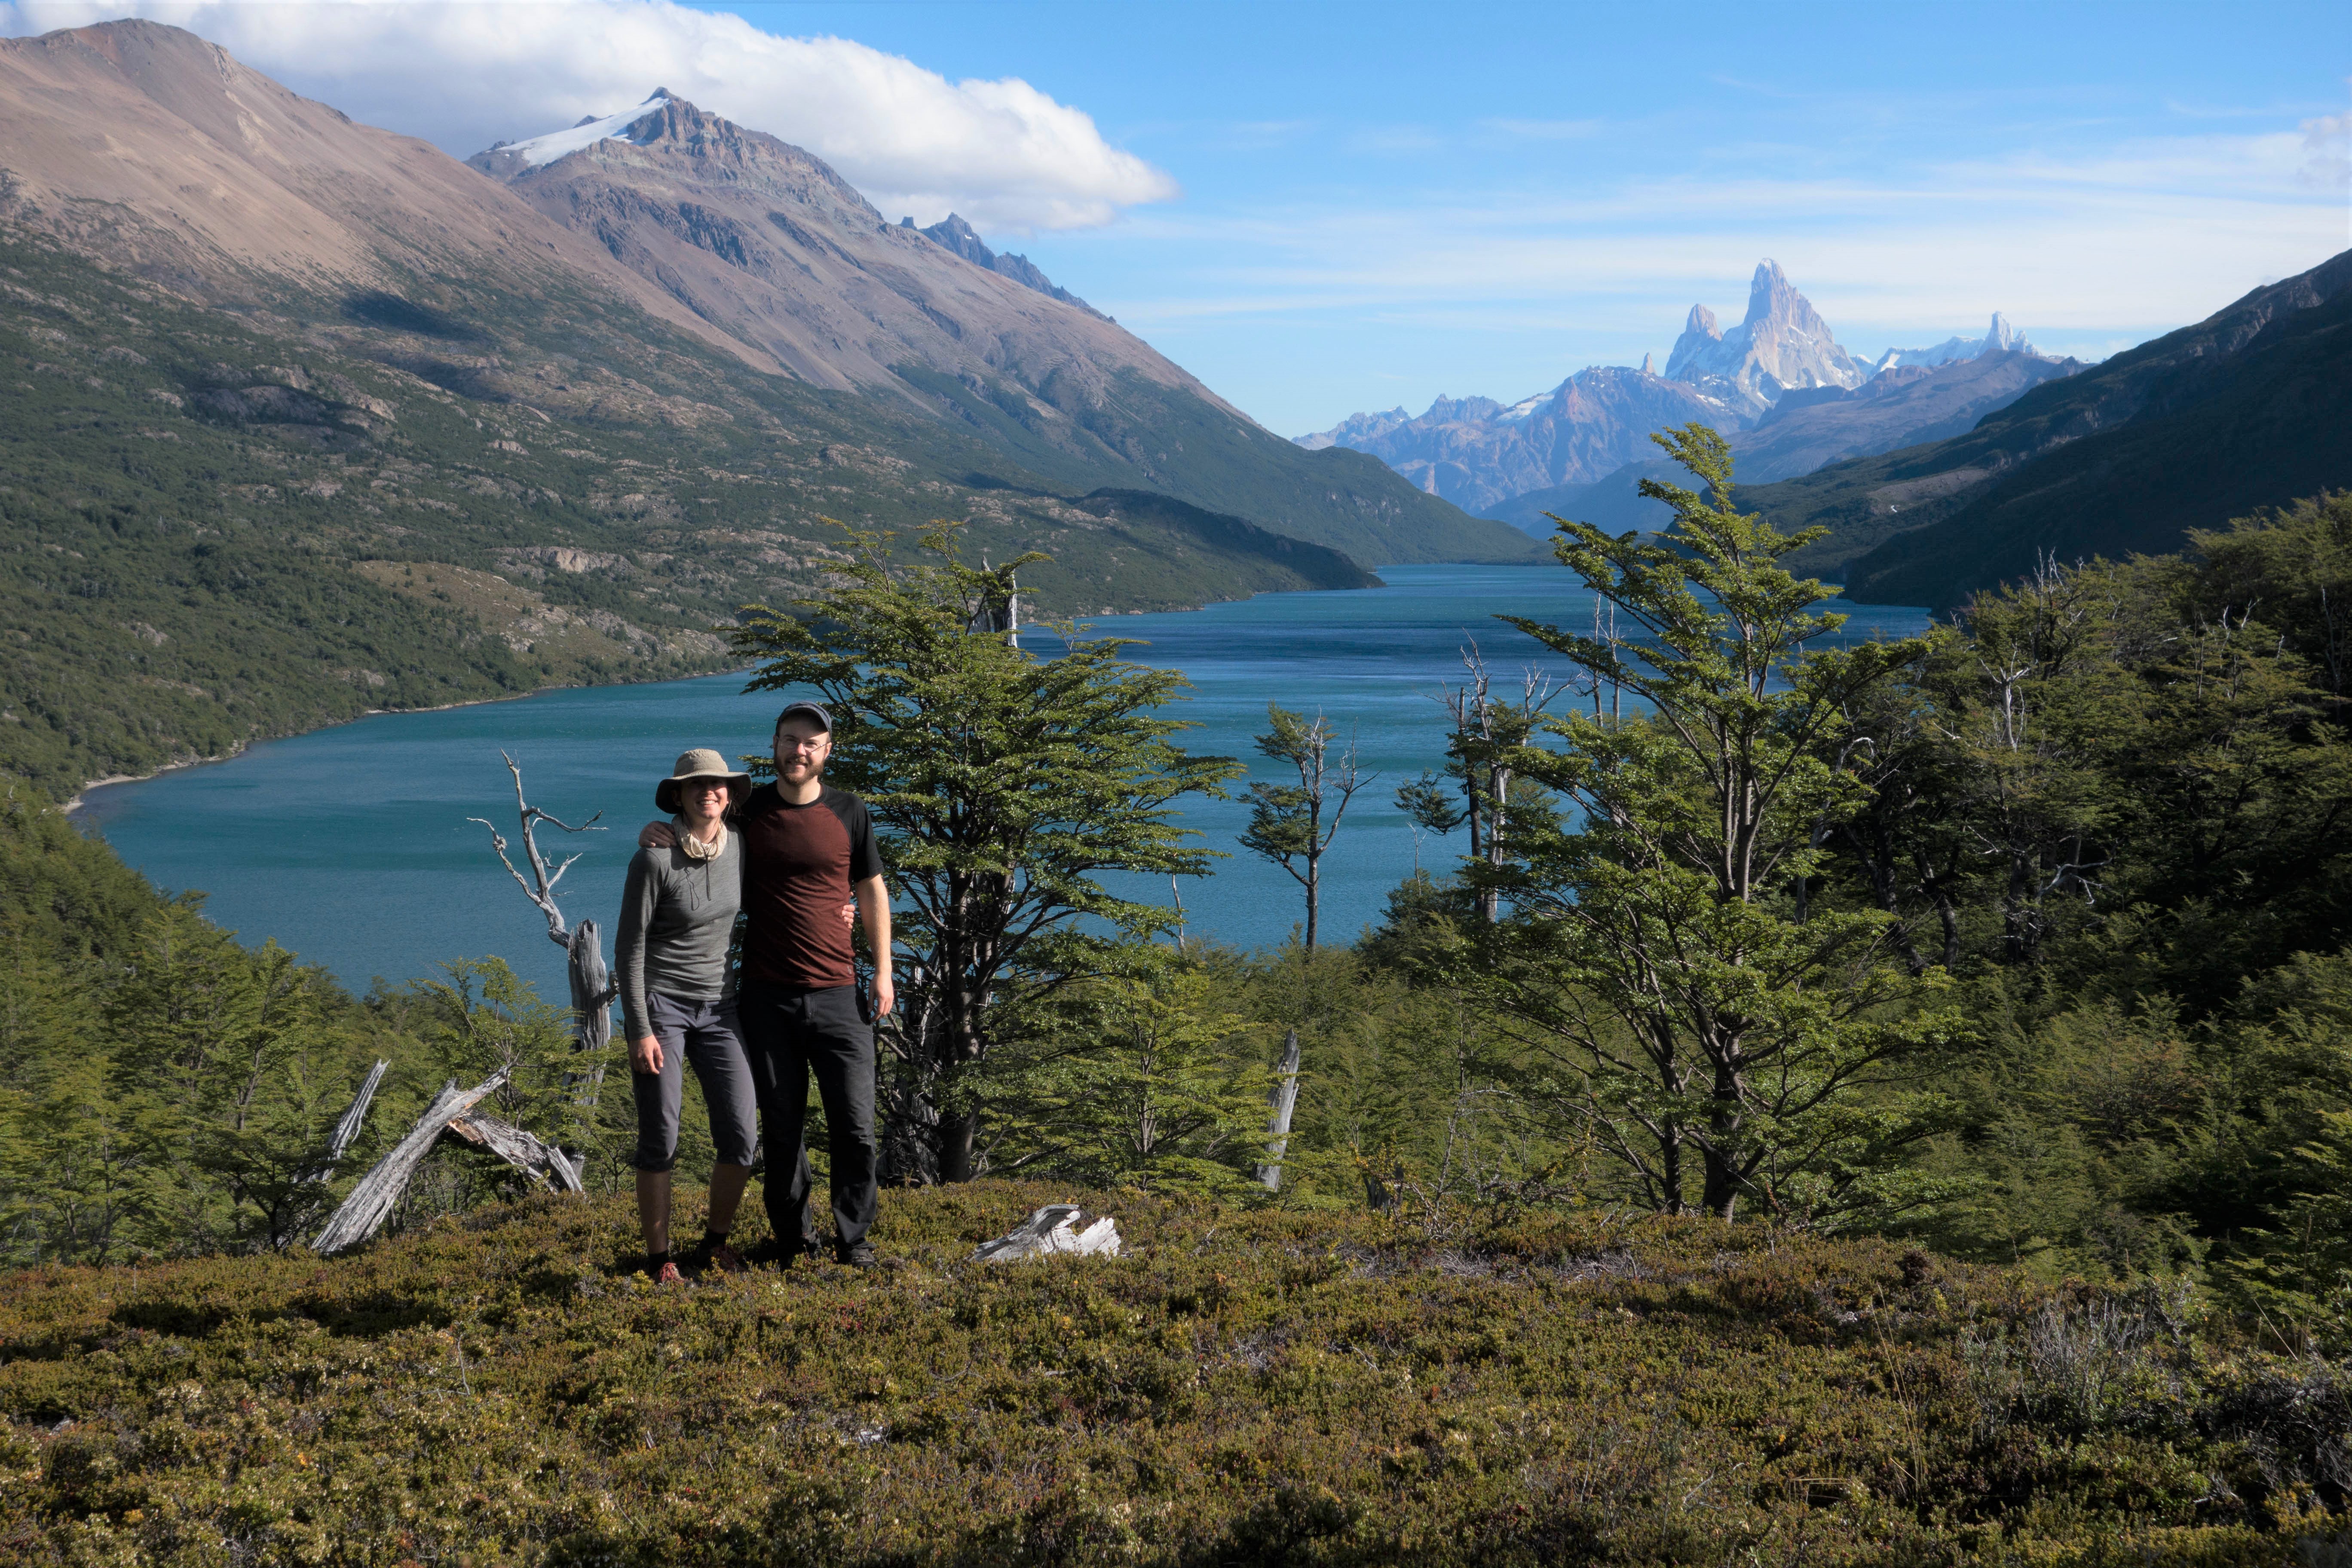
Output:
(163, 153)
(2000, 338)
(960, 237)
(1783, 343)
(766, 241)
(1357, 429)
(1778, 384)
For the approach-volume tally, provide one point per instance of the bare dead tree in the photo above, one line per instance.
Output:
(593, 989)
(1280, 1101)
(1486, 728)
(347, 1129)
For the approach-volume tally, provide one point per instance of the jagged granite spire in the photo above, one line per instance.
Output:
(1783, 343)
(1699, 335)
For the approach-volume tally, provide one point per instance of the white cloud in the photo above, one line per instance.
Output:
(2327, 153)
(1005, 156)
(2141, 234)
(1544, 129)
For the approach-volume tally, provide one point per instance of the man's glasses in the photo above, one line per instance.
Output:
(813, 743)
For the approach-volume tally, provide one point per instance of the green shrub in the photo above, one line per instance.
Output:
(1243, 1385)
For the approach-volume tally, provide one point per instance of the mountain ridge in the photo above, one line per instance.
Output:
(764, 240)
(2241, 411)
(1517, 461)
(960, 237)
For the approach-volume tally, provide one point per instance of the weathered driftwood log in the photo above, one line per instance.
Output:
(370, 1204)
(1281, 1099)
(543, 1163)
(1056, 1228)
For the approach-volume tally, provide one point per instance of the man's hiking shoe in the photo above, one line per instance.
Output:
(669, 1275)
(857, 1255)
(725, 1259)
(786, 1254)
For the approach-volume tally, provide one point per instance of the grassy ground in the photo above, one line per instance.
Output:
(1259, 1386)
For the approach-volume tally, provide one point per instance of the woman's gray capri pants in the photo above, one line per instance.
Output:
(707, 1035)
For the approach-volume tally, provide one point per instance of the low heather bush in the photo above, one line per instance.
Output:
(1242, 1387)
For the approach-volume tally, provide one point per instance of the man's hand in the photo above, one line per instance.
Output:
(885, 995)
(657, 836)
(646, 1054)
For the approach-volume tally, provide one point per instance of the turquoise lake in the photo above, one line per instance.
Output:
(350, 846)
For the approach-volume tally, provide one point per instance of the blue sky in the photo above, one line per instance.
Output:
(1319, 210)
(1384, 203)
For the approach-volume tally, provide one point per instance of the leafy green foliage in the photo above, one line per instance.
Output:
(1717, 1036)
(1286, 822)
(1142, 1082)
(1003, 788)
(165, 1091)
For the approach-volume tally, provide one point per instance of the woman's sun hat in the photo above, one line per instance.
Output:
(701, 763)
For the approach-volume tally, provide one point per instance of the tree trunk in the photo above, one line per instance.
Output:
(592, 998)
(957, 1135)
(1282, 1099)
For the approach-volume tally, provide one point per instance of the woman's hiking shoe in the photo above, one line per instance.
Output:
(669, 1275)
(725, 1258)
(857, 1255)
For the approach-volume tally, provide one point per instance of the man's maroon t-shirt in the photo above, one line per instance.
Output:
(799, 862)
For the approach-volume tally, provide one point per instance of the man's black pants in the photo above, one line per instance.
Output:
(791, 1034)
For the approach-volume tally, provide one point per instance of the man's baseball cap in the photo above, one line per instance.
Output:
(807, 709)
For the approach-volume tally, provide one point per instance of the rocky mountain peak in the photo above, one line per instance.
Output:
(1773, 302)
(1783, 342)
(1700, 334)
(953, 234)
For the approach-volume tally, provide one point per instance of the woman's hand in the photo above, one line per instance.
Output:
(646, 1054)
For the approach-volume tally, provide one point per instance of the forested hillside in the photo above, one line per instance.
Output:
(217, 527)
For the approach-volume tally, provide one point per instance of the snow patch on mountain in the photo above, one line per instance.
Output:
(1999, 337)
(547, 149)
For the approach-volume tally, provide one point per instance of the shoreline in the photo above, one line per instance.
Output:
(80, 800)
(81, 795)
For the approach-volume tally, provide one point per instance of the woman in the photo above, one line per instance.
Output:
(678, 1001)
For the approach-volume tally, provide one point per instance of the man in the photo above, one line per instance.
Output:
(807, 851)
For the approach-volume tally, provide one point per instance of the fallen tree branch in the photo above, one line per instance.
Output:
(370, 1204)
(347, 1131)
(543, 1163)
(1056, 1228)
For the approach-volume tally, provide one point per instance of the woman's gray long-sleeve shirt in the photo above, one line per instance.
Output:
(677, 917)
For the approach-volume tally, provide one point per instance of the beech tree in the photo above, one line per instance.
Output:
(1288, 822)
(1719, 1044)
(1004, 788)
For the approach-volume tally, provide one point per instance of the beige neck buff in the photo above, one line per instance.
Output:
(696, 849)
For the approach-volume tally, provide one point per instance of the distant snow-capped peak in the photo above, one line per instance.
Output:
(555, 145)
